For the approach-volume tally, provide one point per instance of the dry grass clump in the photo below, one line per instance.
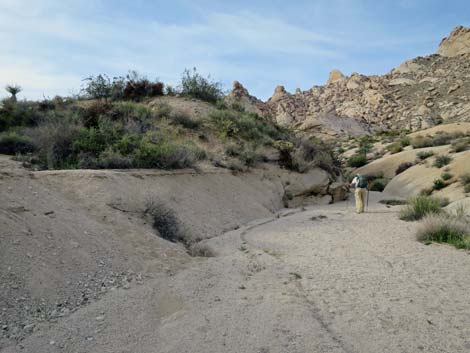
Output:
(164, 220)
(422, 205)
(444, 228)
(465, 181)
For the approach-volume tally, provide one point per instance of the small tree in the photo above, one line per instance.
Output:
(194, 85)
(13, 90)
(98, 87)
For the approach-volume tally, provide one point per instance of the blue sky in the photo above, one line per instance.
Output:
(49, 46)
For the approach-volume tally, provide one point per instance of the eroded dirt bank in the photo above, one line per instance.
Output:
(321, 280)
(69, 238)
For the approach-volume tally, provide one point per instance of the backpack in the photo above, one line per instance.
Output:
(362, 181)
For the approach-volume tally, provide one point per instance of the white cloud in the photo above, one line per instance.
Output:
(57, 37)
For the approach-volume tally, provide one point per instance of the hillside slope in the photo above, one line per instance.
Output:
(418, 94)
(69, 237)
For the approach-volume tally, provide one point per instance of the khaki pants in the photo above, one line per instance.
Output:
(360, 196)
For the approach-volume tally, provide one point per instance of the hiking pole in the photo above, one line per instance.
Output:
(367, 207)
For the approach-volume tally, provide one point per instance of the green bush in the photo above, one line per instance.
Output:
(461, 145)
(420, 206)
(439, 184)
(184, 120)
(405, 141)
(422, 155)
(421, 142)
(394, 147)
(19, 114)
(357, 160)
(54, 140)
(378, 185)
(446, 176)
(441, 161)
(130, 87)
(445, 229)
(13, 143)
(402, 167)
(164, 155)
(465, 181)
(91, 141)
(246, 126)
(194, 85)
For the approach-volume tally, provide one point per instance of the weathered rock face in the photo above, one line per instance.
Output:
(457, 43)
(419, 93)
(240, 95)
(335, 76)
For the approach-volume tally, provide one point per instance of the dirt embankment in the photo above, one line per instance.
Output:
(69, 237)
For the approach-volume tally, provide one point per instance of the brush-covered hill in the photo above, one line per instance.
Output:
(104, 192)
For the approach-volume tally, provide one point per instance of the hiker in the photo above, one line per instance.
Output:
(360, 183)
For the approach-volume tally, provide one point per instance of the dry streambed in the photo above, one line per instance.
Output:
(323, 280)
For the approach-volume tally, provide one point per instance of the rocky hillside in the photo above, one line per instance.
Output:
(418, 94)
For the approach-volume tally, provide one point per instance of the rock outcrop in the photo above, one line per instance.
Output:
(457, 43)
(239, 95)
(419, 93)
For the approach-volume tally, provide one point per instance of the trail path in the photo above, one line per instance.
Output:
(320, 280)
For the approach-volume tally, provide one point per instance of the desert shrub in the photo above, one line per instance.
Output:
(402, 167)
(184, 120)
(246, 126)
(465, 181)
(461, 145)
(248, 156)
(440, 139)
(164, 220)
(445, 229)
(140, 88)
(378, 185)
(221, 105)
(233, 150)
(130, 87)
(439, 184)
(302, 155)
(422, 155)
(393, 202)
(13, 143)
(394, 147)
(421, 142)
(54, 140)
(446, 176)
(441, 161)
(194, 85)
(405, 141)
(97, 87)
(237, 107)
(108, 159)
(163, 155)
(365, 144)
(420, 206)
(19, 114)
(235, 165)
(91, 114)
(357, 160)
(373, 176)
(201, 249)
(90, 141)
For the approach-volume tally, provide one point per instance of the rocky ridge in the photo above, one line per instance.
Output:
(418, 94)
